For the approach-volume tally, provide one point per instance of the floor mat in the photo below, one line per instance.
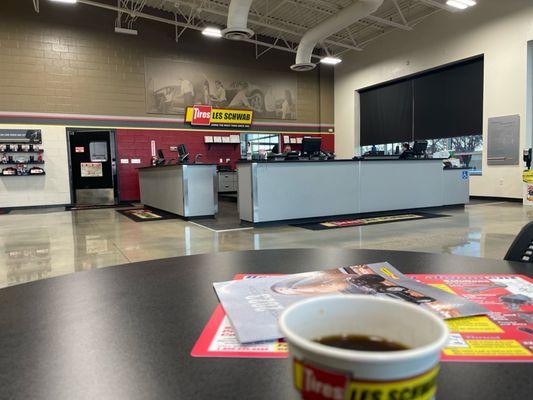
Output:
(4, 211)
(147, 214)
(218, 225)
(365, 220)
(227, 218)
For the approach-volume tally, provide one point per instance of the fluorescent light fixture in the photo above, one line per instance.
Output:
(330, 60)
(212, 32)
(125, 31)
(461, 4)
(65, 1)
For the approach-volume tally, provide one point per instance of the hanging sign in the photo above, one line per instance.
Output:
(200, 115)
(20, 136)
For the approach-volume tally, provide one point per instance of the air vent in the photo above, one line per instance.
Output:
(237, 33)
(303, 67)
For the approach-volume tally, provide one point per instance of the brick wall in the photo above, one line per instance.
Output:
(67, 59)
(136, 143)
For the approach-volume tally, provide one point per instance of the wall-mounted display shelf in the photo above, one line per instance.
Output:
(24, 162)
(18, 143)
(20, 176)
(234, 140)
(231, 139)
(22, 151)
(292, 140)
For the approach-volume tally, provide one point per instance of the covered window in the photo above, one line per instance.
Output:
(443, 106)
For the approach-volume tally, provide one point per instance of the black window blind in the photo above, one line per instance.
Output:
(447, 102)
(386, 114)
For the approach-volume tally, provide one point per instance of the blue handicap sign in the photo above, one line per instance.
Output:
(465, 174)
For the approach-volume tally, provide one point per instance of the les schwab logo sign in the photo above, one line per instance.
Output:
(210, 116)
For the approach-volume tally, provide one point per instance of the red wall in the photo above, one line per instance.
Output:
(135, 143)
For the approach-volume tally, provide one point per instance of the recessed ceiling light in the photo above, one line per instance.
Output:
(456, 4)
(126, 31)
(330, 60)
(212, 32)
(461, 4)
(65, 1)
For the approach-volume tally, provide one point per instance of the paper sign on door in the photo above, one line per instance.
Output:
(91, 170)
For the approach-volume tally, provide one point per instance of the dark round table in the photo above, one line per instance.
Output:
(126, 332)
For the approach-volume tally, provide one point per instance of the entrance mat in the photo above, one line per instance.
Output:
(147, 214)
(222, 224)
(95, 207)
(367, 219)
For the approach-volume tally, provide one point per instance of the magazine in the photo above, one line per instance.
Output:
(254, 305)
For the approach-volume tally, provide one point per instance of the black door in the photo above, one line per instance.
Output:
(92, 163)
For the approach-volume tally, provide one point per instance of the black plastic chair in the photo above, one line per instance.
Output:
(521, 249)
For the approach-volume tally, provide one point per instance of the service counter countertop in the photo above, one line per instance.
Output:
(188, 190)
(286, 190)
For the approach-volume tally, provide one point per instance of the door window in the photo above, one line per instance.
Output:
(98, 151)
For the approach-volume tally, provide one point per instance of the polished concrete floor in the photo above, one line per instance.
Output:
(37, 244)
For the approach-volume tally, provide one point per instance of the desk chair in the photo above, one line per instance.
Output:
(521, 249)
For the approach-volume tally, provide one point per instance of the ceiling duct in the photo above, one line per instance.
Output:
(343, 19)
(237, 25)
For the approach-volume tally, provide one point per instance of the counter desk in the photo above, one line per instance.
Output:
(285, 190)
(188, 190)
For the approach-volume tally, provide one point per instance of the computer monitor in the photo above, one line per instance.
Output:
(160, 158)
(182, 153)
(419, 148)
(311, 146)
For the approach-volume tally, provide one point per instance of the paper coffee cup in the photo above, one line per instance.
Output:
(325, 372)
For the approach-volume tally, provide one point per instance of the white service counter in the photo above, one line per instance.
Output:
(285, 190)
(188, 190)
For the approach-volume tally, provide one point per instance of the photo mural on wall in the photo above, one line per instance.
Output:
(173, 85)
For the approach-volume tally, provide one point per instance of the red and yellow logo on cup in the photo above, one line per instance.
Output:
(318, 384)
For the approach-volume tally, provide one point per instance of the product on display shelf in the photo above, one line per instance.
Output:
(25, 147)
(9, 171)
(13, 147)
(36, 171)
(3, 148)
(21, 169)
(3, 159)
